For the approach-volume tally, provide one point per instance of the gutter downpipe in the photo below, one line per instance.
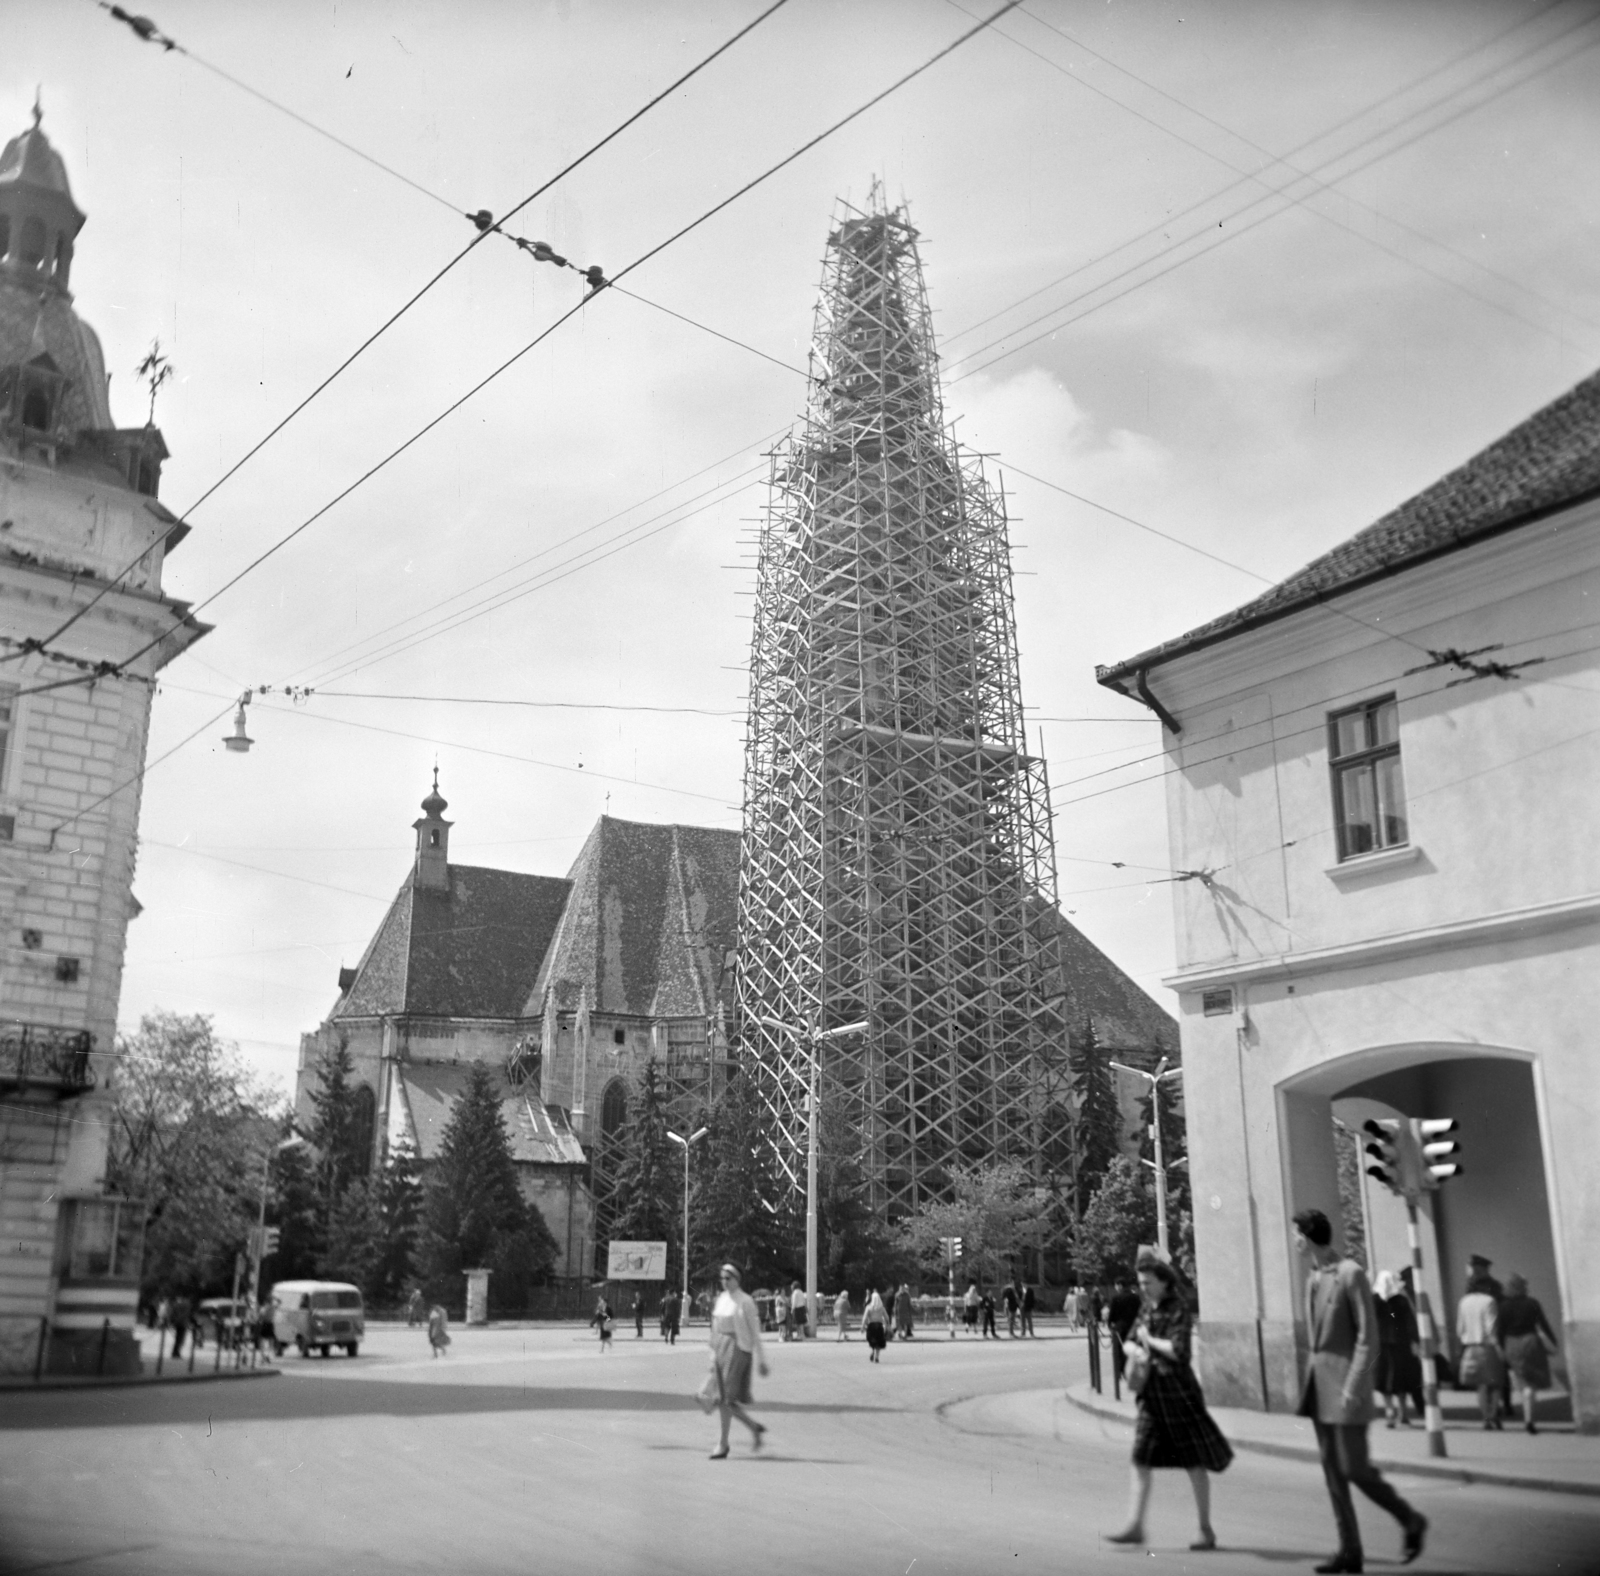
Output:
(1142, 683)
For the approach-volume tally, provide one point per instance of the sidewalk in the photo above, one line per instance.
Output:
(1554, 1460)
(173, 1372)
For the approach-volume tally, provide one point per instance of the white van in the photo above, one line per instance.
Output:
(320, 1314)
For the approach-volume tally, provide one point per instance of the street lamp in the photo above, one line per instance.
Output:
(293, 1141)
(1153, 1079)
(813, 1039)
(693, 1138)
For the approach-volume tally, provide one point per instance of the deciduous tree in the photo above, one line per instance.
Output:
(1120, 1217)
(994, 1208)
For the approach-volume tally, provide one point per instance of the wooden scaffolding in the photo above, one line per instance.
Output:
(897, 864)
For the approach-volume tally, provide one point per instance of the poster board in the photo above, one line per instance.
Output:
(646, 1261)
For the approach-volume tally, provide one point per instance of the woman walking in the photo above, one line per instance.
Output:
(438, 1330)
(875, 1326)
(1528, 1341)
(841, 1314)
(1174, 1428)
(902, 1313)
(1399, 1374)
(603, 1317)
(735, 1344)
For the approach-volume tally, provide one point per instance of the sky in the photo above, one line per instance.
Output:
(1241, 277)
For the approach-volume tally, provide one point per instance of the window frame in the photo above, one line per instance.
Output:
(1367, 756)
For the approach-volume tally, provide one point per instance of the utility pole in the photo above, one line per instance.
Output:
(1154, 1080)
(693, 1138)
(812, 1040)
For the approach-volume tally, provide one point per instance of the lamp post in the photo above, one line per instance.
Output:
(693, 1138)
(1153, 1079)
(293, 1141)
(812, 1040)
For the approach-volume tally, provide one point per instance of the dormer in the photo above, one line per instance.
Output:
(31, 395)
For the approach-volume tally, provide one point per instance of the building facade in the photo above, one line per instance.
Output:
(84, 629)
(1385, 770)
(564, 987)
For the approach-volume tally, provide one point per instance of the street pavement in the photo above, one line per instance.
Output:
(527, 1450)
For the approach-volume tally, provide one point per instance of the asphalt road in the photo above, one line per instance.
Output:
(527, 1451)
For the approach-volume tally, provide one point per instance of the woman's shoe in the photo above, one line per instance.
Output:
(720, 1454)
(1528, 1428)
(760, 1434)
(1205, 1543)
(1127, 1535)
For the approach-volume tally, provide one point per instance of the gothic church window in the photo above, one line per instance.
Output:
(614, 1108)
(363, 1117)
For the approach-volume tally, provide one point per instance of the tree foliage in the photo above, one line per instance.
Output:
(473, 1212)
(1120, 1217)
(739, 1206)
(1174, 1142)
(855, 1249)
(340, 1135)
(996, 1211)
(1099, 1124)
(190, 1132)
(647, 1184)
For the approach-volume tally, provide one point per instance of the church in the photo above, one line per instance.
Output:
(566, 986)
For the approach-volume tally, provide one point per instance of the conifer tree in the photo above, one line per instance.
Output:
(473, 1213)
(855, 1248)
(1099, 1117)
(738, 1207)
(1174, 1143)
(336, 1130)
(646, 1190)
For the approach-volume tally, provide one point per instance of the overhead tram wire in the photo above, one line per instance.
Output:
(1304, 201)
(1239, 230)
(150, 34)
(1294, 152)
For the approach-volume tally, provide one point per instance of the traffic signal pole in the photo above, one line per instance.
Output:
(1430, 1360)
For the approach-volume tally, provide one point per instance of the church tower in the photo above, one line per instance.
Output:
(897, 868)
(84, 629)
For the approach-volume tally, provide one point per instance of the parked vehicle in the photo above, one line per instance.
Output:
(320, 1314)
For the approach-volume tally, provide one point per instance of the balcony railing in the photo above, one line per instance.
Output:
(43, 1056)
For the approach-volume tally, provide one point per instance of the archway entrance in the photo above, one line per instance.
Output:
(1498, 1207)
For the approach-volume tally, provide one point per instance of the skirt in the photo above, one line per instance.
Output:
(1480, 1365)
(1528, 1361)
(733, 1372)
(1174, 1428)
(877, 1335)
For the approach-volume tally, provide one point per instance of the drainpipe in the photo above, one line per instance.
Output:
(1141, 683)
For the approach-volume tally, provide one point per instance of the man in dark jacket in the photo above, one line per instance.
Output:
(1342, 1328)
(1122, 1313)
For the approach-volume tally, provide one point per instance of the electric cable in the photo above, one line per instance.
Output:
(147, 30)
(545, 333)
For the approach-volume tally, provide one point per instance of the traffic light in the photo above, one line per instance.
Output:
(1385, 1150)
(270, 1245)
(1436, 1149)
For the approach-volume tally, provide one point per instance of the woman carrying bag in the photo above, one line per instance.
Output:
(735, 1346)
(875, 1326)
(1174, 1428)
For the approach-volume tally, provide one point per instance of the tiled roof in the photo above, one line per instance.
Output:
(538, 1135)
(1125, 1018)
(651, 918)
(471, 952)
(1550, 461)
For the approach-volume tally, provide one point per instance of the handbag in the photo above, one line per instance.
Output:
(710, 1391)
(1137, 1371)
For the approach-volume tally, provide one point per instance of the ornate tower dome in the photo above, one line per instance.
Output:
(50, 360)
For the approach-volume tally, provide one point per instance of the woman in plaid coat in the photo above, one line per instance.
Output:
(1174, 1428)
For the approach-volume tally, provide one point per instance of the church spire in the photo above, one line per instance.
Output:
(432, 868)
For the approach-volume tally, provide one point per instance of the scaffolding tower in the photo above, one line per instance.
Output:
(897, 863)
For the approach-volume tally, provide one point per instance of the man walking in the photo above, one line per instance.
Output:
(1341, 1324)
(1013, 1305)
(1027, 1309)
(1122, 1313)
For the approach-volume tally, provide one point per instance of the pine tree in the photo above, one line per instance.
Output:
(400, 1200)
(738, 1207)
(647, 1186)
(294, 1205)
(354, 1248)
(336, 1130)
(1099, 1117)
(473, 1213)
(855, 1249)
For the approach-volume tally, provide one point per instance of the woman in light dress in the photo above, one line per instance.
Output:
(841, 1314)
(875, 1326)
(735, 1346)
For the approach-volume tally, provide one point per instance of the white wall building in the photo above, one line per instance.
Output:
(80, 644)
(1384, 771)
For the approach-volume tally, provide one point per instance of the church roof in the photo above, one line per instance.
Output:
(470, 952)
(649, 924)
(1550, 461)
(1125, 1018)
(29, 160)
(539, 1134)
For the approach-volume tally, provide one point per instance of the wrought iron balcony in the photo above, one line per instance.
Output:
(44, 1057)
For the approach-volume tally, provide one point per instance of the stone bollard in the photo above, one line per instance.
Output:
(477, 1296)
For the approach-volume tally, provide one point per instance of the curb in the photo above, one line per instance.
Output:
(1434, 1469)
(130, 1381)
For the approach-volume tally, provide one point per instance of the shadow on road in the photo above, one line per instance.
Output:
(268, 1400)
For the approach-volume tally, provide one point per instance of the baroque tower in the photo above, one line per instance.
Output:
(897, 867)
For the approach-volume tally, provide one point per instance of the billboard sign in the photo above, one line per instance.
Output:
(646, 1261)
